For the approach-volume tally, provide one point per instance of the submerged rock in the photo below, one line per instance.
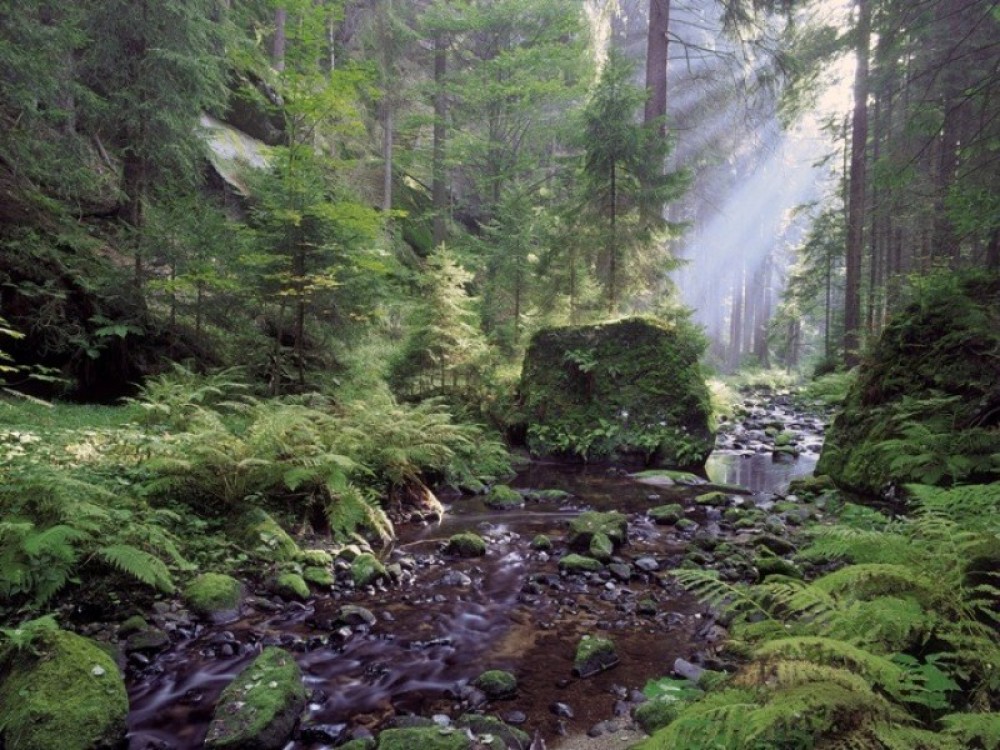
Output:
(70, 696)
(260, 708)
(632, 389)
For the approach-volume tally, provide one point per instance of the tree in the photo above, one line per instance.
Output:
(157, 66)
(621, 175)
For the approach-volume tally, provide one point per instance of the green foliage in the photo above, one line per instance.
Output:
(897, 649)
(27, 636)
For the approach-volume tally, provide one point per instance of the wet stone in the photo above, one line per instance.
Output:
(563, 710)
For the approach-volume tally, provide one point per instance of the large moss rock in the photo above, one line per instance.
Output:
(70, 696)
(215, 596)
(925, 406)
(629, 390)
(260, 708)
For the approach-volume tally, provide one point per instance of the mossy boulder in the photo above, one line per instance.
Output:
(714, 499)
(215, 596)
(925, 406)
(318, 576)
(594, 655)
(497, 684)
(424, 738)
(630, 390)
(502, 497)
(584, 527)
(260, 534)
(666, 515)
(466, 544)
(366, 569)
(290, 586)
(70, 696)
(260, 708)
(601, 548)
(657, 713)
(541, 543)
(574, 563)
(481, 724)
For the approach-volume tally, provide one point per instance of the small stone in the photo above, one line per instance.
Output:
(562, 710)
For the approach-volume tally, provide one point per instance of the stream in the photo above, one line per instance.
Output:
(446, 620)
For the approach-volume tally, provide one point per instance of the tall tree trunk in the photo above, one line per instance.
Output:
(439, 188)
(736, 323)
(856, 209)
(613, 245)
(385, 41)
(278, 42)
(657, 44)
(763, 315)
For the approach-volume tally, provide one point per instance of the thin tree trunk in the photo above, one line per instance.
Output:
(613, 247)
(384, 23)
(439, 188)
(856, 209)
(657, 44)
(736, 323)
(278, 42)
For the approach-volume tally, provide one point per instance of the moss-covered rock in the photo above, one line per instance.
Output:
(714, 499)
(259, 533)
(776, 566)
(290, 586)
(366, 569)
(550, 496)
(666, 515)
(631, 389)
(69, 696)
(583, 528)
(214, 595)
(260, 708)
(925, 406)
(424, 738)
(362, 743)
(502, 497)
(656, 714)
(594, 655)
(497, 684)
(574, 563)
(481, 724)
(541, 543)
(319, 558)
(667, 477)
(601, 547)
(466, 544)
(318, 576)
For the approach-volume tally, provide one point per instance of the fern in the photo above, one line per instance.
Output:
(138, 564)
(349, 510)
(974, 729)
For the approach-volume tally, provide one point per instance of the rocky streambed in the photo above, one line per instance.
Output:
(408, 648)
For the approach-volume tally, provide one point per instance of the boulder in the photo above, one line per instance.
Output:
(466, 544)
(69, 695)
(260, 708)
(628, 390)
(214, 596)
(366, 569)
(496, 684)
(574, 563)
(925, 406)
(587, 525)
(502, 497)
(594, 655)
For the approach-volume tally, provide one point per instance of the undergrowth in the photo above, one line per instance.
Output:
(897, 648)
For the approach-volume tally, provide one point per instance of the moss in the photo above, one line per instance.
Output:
(424, 738)
(502, 497)
(260, 708)
(667, 514)
(319, 558)
(466, 544)
(809, 487)
(211, 594)
(582, 529)
(552, 496)
(290, 586)
(656, 714)
(481, 724)
(261, 534)
(497, 684)
(574, 563)
(677, 477)
(925, 406)
(69, 697)
(686, 524)
(631, 389)
(133, 624)
(594, 655)
(362, 743)
(601, 547)
(318, 576)
(366, 569)
(541, 543)
(771, 566)
(716, 499)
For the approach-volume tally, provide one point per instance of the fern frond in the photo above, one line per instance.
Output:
(719, 594)
(349, 510)
(967, 728)
(875, 668)
(139, 564)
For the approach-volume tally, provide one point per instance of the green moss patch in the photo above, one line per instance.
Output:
(497, 684)
(318, 576)
(466, 544)
(667, 477)
(213, 595)
(424, 738)
(541, 543)
(574, 563)
(613, 525)
(259, 533)
(632, 389)
(290, 586)
(69, 697)
(715, 499)
(366, 569)
(601, 547)
(502, 497)
(667, 514)
(260, 708)
(594, 655)
(480, 724)
(656, 714)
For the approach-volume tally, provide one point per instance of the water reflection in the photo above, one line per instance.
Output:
(758, 472)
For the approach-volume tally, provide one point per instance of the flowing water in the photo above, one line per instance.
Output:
(448, 620)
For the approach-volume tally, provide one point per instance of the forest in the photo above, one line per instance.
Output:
(462, 374)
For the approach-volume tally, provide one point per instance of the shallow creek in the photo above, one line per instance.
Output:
(447, 620)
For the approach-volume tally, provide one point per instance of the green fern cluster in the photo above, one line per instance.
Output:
(53, 524)
(897, 649)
